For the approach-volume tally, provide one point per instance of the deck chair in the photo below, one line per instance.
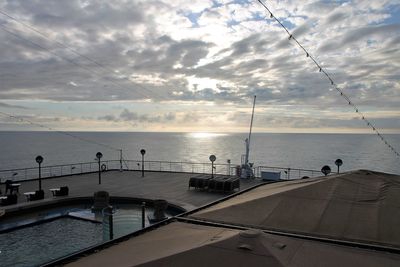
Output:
(10, 200)
(62, 192)
(8, 186)
(39, 194)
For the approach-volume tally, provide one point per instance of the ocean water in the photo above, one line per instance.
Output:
(308, 151)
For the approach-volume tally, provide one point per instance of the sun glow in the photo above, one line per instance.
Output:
(204, 135)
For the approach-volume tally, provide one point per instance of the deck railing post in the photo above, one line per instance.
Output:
(111, 226)
(143, 214)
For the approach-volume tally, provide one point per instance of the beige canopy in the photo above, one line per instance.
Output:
(362, 206)
(182, 244)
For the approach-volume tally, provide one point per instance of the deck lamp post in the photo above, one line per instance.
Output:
(326, 170)
(39, 160)
(142, 151)
(99, 155)
(338, 163)
(229, 166)
(212, 159)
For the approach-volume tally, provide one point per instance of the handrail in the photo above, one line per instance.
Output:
(30, 173)
(286, 168)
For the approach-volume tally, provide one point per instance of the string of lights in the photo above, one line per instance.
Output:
(43, 35)
(322, 70)
(55, 130)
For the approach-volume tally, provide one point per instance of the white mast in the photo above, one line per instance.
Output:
(248, 139)
(246, 168)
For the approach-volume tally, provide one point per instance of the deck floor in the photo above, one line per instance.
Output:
(172, 187)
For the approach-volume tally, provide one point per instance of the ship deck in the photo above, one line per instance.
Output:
(171, 186)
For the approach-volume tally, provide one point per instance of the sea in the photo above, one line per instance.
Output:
(288, 150)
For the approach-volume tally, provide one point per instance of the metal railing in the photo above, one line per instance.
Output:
(163, 166)
(288, 173)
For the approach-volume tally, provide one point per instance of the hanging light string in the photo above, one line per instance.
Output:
(21, 119)
(332, 82)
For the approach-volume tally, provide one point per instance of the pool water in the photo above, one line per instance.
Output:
(48, 240)
(124, 221)
(35, 245)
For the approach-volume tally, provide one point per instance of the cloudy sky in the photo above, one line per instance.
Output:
(195, 65)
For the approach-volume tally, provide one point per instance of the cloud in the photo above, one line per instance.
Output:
(220, 52)
(134, 117)
(5, 105)
(108, 118)
(363, 33)
(335, 17)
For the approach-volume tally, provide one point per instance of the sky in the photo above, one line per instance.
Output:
(194, 66)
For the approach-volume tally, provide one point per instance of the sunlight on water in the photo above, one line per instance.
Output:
(307, 151)
(205, 135)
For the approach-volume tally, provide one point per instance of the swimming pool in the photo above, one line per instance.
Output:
(57, 233)
(35, 245)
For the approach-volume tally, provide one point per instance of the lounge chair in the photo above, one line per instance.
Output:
(10, 200)
(231, 184)
(62, 192)
(199, 182)
(39, 194)
(8, 186)
(217, 184)
(158, 215)
(192, 182)
(11, 186)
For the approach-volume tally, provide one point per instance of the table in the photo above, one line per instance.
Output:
(54, 190)
(28, 195)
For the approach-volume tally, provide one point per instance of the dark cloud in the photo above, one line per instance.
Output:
(134, 117)
(302, 29)
(253, 44)
(169, 54)
(335, 17)
(363, 33)
(321, 7)
(79, 15)
(107, 118)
